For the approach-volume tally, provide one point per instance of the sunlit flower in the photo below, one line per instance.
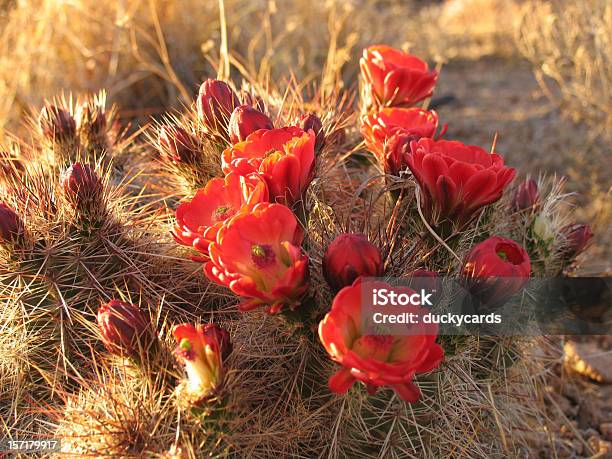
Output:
(392, 77)
(376, 360)
(456, 180)
(349, 256)
(283, 157)
(202, 349)
(388, 134)
(257, 255)
(495, 270)
(199, 220)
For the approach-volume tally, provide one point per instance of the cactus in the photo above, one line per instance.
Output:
(95, 225)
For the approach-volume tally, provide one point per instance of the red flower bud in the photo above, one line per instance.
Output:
(57, 124)
(124, 327)
(216, 102)
(246, 119)
(81, 184)
(92, 118)
(252, 100)
(310, 121)
(577, 237)
(526, 195)
(348, 257)
(221, 336)
(11, 225)
(178, 145)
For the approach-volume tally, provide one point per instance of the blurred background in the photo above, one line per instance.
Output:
(537, 74)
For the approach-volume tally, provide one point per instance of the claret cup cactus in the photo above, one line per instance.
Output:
(197, 289)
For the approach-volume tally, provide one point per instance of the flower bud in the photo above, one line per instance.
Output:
(92, 119)
(57, 124)
(246, 119)
(577, 237)
(310, 121)
(11, 226)
(222, 337)
(252, 100)
(348, 257)
(216, 102)
(178, 145)
(542, 228)
(81, 184)
(124, 328)
(526, 195)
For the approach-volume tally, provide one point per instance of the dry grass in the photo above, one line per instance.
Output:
(570, 43)
(151, 54)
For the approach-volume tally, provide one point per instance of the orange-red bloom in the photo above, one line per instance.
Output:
(257, 255)
(198, 220)
(456, 180)
(392, 77)
(283, 157)
(348, 257)
(202, 350)
(496, 269)
(376, 360)
(388, 134)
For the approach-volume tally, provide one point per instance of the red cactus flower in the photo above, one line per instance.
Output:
(376, 360)
(392, 77)
(348, 257)
(201, 351)
(216, 102)
(388, 134)
(496, 269)
(257, 255)
(81, 184)
(526, 195)
(11, 226)
(124, 328)
(221, 336)
(310, 121)
(199, 220)
(284, 158)
(456, 180)
(177, 145)
(245, 120)
(576, 237)
(57, 124)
